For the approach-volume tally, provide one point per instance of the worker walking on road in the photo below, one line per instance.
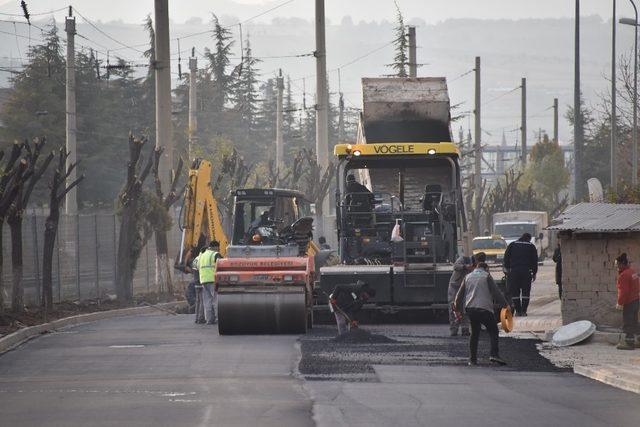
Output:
(463, 266)
(521, 264)
(207, 271)
(476, 297)
(346, 300)
(628, 302)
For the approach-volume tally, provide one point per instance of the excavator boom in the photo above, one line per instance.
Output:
(200, 218)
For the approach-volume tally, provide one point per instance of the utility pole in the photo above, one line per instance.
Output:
(322, 120)
(614, 125)
(193, 102)
(413, 62)
(555, 121)
(478, 151)
(279, 121)
(71, 199)
(341, 118)
(163, 91)
(577, 110)
(523, 125)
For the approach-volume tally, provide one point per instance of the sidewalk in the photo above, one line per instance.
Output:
(597, 358)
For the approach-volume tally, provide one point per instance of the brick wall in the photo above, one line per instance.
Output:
(589, 275)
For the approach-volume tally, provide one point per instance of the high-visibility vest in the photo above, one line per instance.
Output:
(207, 266)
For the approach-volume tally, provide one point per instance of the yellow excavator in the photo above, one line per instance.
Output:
(265, 278)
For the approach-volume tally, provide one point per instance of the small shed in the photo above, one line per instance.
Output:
(591, 236)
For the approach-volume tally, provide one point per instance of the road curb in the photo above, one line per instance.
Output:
(608, 376)
(18, 337)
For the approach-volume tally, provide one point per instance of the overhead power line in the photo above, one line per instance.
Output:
(124, 46)
(35, 14)
(502, 95)
(278, 6)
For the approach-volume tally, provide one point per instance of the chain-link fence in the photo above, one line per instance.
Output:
(84, 259)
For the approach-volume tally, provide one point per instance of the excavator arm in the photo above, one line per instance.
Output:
(200, 219)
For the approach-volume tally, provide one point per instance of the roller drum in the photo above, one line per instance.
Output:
(261, 313)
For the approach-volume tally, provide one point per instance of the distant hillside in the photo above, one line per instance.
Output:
(541, 50)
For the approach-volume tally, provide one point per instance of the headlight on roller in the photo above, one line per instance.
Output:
(234, 278)
(288, 278)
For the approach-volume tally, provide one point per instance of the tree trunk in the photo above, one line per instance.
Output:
(50, 231)
(17, 294)
(163, 271)
(1, 269)
(126, 259)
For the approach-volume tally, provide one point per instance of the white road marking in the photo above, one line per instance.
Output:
(127, 346)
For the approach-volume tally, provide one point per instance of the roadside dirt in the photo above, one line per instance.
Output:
(11, 322)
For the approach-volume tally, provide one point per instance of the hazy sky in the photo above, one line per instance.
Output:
(429, 10)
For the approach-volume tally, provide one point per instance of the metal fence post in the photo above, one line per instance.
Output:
(78, 254)
(36, 258)
(97, 246)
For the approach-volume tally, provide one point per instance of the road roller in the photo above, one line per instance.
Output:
(265, 280)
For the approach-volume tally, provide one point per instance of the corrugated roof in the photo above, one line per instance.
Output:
(598, 218)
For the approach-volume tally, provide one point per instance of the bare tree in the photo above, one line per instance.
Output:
(234, 173)
(317, 181)
(133, 231)
(163, 268)
(15, 214)
(12, 173)
(58, 190)
(291, 178)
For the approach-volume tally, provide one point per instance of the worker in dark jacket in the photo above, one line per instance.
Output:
(521, 264)
(346, 300)
(628, 302)
(557, 258)
(359, 197)
(477, 295)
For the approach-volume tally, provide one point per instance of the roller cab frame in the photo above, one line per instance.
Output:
(265, 283)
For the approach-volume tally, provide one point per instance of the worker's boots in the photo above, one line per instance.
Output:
(465, 332)
(626, 344)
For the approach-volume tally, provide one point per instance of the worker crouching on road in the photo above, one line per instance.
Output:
(463, 266)
(207, 262)
(346, 300)
(521, 264)
(628, 302)
(477, 295)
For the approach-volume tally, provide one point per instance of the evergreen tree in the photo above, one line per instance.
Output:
(36, 105)
(245, 93)
(266, 118)
(219, 61)
(289, 114)
(401, 45)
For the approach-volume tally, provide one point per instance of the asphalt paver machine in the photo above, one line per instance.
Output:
(409, 167)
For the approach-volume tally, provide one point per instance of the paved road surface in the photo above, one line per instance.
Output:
(166, 371)
(151, 371)
(422, 379)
